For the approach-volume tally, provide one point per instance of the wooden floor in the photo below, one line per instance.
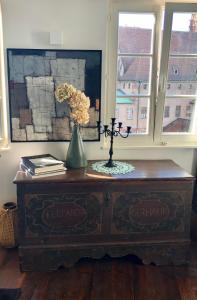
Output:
(106, 279)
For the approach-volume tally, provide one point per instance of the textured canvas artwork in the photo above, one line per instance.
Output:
(33, 75)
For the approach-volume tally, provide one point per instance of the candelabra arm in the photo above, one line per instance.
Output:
(124, 136)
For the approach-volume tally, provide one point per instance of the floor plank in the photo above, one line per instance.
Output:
(153, 282)
(78, 282)
(30, 284)
(3, 256)
(112, 278)
(41, 290)
(101, 283)
(187, 288)
(122, 280)
(10, 275)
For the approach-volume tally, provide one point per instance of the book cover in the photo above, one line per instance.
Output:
(41, 163)
(42, 174)
(47, 174)
(25, 168)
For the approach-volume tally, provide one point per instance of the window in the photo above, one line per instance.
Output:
(143, 112)
(129, 113)
(134, 63)
(175, 70)
(133, 57)
(178, 111)
(162, 109)
(3, 113)
(188, 111)
(180, 38)
(167, 112)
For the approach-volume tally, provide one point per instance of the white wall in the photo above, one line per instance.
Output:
(27, 24)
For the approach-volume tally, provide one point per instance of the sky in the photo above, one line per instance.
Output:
(180, 21)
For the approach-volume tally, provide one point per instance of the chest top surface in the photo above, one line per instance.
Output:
(144, 170)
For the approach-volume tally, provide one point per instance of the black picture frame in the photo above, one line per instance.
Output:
(33, 74)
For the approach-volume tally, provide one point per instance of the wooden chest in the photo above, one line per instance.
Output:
(88, 214)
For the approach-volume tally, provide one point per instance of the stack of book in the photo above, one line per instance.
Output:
(42, 165)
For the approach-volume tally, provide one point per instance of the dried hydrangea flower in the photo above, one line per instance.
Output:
(77, 100)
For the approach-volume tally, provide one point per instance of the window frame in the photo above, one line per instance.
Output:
(180, 139)
(140, 140)
(154, 138)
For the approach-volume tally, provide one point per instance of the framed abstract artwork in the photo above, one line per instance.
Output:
(33, 75)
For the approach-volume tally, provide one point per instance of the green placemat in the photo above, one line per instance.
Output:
(120, 167)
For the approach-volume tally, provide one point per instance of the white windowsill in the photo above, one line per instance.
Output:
(150, 146)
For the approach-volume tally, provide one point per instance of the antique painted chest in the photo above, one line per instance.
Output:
(88, 214)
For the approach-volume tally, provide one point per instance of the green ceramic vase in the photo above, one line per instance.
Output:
(76, 155)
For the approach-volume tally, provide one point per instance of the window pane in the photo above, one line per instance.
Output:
(135, 33)
(134, 112)
(182, 76)
(184, 33)
(179, 115)
(133, 75)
